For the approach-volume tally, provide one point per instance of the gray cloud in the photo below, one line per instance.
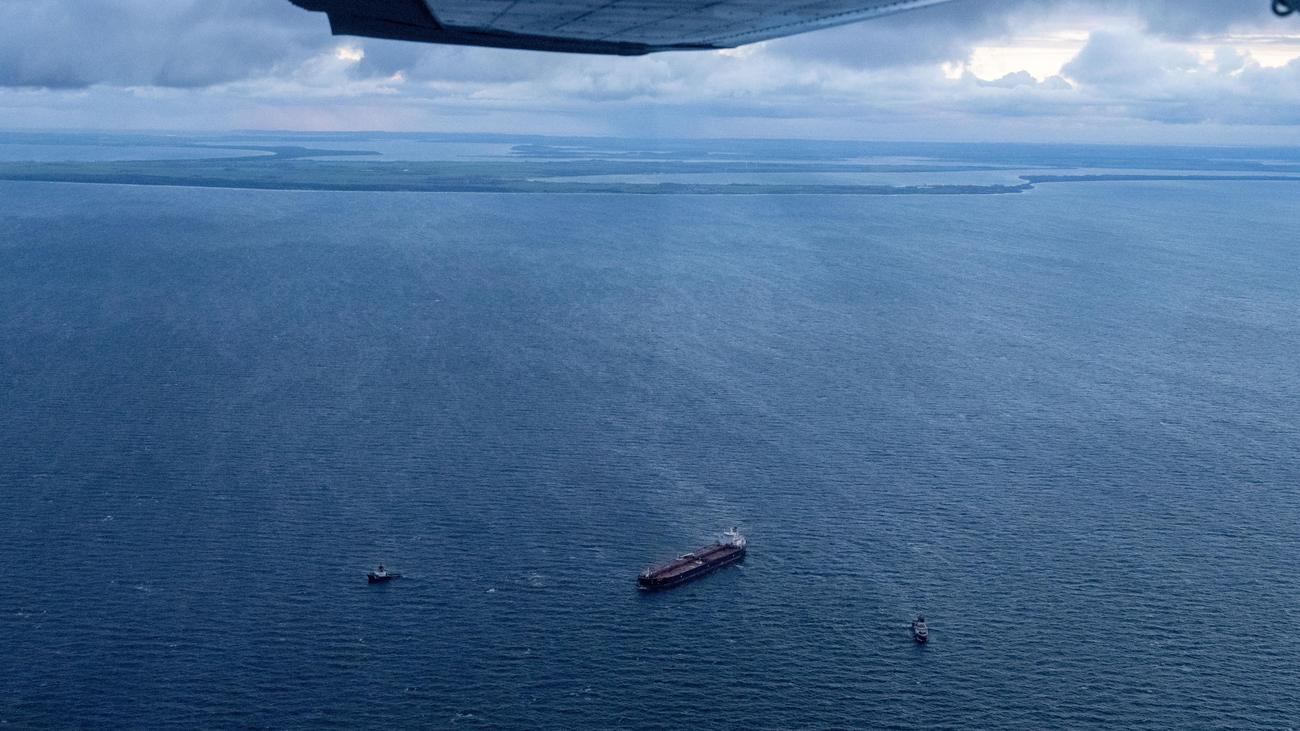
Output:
(948, 33)
(1011, 80)
(1125, 59)
(935, 34)
(251, 63)
(194, 43)
(1189, 18)
(180, 43)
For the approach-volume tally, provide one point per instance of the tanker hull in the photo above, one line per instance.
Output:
(691, 566)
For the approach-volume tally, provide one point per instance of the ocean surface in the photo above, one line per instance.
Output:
(1063, 424)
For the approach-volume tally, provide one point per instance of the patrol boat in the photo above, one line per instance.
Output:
(920, 632)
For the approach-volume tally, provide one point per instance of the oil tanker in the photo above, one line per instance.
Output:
(695, 564)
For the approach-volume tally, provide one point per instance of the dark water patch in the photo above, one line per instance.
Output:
(1061, 425)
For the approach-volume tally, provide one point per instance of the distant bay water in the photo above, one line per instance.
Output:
(1062, 424)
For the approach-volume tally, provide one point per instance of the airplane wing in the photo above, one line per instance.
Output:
(617, 27)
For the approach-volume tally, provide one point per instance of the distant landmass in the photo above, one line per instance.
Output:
(569, 166)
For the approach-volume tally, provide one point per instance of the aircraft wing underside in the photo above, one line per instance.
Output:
(622, 27)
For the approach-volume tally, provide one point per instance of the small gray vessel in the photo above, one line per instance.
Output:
(920, 632)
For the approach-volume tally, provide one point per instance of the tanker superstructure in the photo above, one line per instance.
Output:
(694, 564)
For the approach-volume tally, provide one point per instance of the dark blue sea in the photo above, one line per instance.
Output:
(1064, 424)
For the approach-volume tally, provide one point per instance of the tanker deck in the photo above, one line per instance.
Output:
(694, 564)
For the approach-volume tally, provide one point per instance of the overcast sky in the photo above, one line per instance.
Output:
(1036, 70)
